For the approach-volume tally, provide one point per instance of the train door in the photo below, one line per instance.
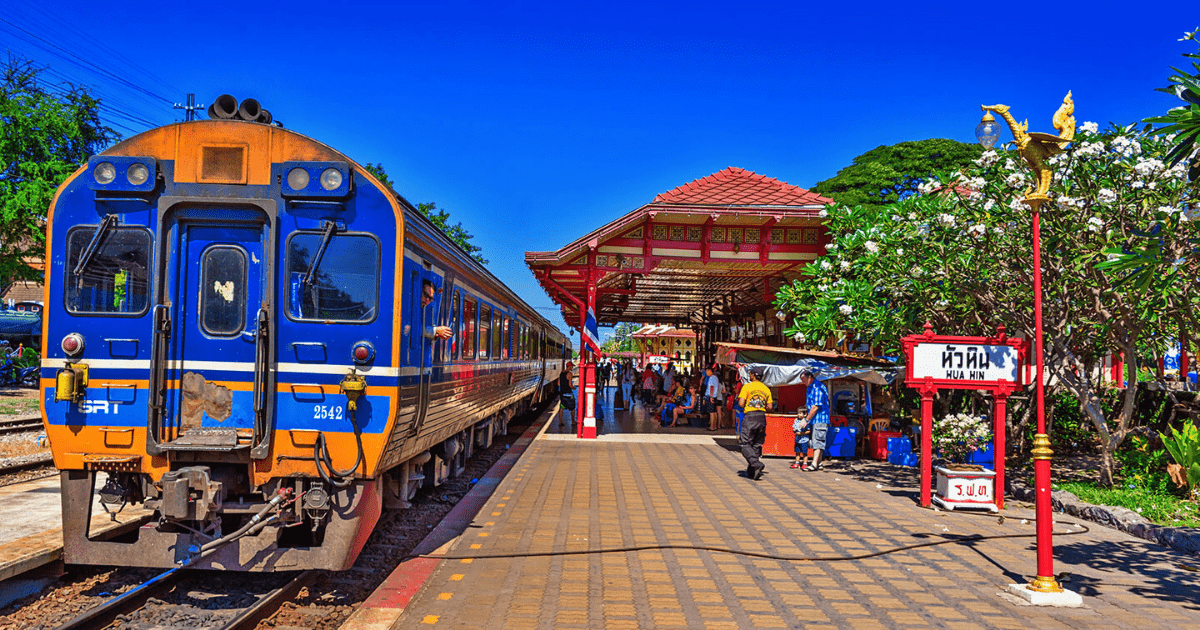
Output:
(424, 296)
(217, 367)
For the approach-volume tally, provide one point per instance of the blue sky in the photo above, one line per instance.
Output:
(533, 123)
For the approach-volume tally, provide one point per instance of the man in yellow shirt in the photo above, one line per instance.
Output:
(755, 398)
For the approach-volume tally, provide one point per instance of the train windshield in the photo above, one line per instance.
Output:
(115, 279)
(344, 288)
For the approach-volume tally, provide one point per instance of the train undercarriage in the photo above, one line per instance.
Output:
(206, 516)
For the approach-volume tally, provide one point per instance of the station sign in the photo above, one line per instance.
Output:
(938, 362)
(965, 362)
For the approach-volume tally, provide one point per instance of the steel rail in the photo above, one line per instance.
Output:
(36, 463)
(269, 604)
(104, 614)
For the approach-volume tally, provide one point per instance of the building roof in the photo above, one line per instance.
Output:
(663, 330)
(735, 186)
(714, 248)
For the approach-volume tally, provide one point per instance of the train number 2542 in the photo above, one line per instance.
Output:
(328, 412)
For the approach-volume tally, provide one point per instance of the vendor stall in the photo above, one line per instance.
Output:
(855, 382)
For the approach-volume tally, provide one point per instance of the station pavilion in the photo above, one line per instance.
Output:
(708, 255)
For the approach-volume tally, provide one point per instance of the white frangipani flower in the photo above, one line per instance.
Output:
(871, 246)
(1089, 127)
(1106, 196)
(1094, 224)
(846, 309)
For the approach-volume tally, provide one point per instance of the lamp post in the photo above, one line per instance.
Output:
(1036, 149)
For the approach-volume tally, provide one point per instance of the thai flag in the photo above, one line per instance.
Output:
(591, 333)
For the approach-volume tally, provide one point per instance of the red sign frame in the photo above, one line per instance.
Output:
(928, 386)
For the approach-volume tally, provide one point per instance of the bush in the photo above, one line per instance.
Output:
(1144, 467)
(1162, 509)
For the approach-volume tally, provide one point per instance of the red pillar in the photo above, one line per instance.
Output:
(587, 383)
(998, 447)
(926, 444)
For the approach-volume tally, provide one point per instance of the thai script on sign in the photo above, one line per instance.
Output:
(966, 489)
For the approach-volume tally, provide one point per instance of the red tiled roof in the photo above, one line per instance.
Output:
(734, 186)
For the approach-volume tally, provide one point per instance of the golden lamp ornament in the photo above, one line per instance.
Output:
(1035, 147)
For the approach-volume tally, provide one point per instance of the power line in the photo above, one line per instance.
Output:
(59, 25)
(80, 61)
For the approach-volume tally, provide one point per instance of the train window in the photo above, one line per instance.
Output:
(343, 286)
(495, 345)
(223, 290)
(115, 279)
(468, 329)
(454, 326)
(504, 339)
(485, 329)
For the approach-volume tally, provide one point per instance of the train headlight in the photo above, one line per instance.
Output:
(72, 344)
(331, 178)
(315, 180)
(362, 352)
(105, 173)
(297, 178)
(121, 174)
(137, 174)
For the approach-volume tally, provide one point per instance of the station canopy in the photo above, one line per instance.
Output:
(704, 252)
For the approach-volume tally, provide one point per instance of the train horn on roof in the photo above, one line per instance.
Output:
(225, 107)
(249, 110)
(264, 117)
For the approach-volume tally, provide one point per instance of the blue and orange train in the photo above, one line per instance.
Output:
(250, 335)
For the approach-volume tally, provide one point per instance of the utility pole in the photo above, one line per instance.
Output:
(190, 108)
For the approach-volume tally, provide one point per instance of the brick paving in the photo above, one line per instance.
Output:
(652, 488)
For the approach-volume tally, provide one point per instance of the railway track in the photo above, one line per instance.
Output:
(20, 424)
(171, 601)
(203, 600)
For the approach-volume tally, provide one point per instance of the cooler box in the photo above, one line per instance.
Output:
(780, 440)
(878, 442)
(841, 441)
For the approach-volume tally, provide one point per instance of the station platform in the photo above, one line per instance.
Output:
(31, 512)
(562, 520)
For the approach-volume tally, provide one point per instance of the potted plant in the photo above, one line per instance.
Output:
(956, 437)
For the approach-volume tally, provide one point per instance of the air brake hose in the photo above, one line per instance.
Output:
(332, 476)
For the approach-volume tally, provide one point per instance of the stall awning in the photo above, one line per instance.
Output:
(783, 366)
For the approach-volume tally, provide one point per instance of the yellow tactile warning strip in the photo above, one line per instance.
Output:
(579, 495)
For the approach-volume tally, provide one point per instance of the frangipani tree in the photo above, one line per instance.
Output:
(960, 257)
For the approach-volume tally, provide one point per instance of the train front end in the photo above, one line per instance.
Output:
(220, 330)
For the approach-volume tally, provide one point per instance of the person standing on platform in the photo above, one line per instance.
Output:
(648, 386)
(668, 379)
(756, 399)
(712, 402)
(816, 396)
(628, 378)
(566, 392)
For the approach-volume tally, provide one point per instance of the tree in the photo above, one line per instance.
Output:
(439, 217)
(1183, 123)
(1118, 257)
(887, 174)
(621, 341)
(47, 131)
